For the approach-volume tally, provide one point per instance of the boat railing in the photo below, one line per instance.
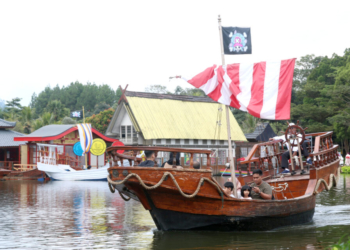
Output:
(262, 155)
(325, 157)
(132, 152)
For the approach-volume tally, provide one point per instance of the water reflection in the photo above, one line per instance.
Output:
(84, 215)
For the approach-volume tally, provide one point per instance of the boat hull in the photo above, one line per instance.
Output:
(208, 210)
(167, 220)
(56, 173)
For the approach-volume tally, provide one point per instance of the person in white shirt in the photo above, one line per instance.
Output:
(286, 156)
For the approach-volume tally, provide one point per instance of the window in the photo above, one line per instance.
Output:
(222, 142)
(213, 142)
(127, 133)
(177, 141)
(222, 157)
(195, 141)
(168, 141)
(187, 141)
(204, 142)
(159, 141)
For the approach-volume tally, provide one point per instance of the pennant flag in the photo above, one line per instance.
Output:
(262, 89)
(237, 40)
(76, 114)
(85, 135)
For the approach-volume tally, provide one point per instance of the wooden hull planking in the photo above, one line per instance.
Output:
(208, 210)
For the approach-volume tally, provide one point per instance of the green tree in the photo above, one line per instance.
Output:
(101, 120)
(57, 110)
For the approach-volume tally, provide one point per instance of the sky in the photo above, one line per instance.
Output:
(143, 43)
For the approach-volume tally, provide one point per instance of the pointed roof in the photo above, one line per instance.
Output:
(7, 124)
(164, 116)
(55, 131)
(262, 132)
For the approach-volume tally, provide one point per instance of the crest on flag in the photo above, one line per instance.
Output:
(76, 114)
(236, 40)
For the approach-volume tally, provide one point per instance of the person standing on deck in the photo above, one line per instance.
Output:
(286, 155)
(261, 190)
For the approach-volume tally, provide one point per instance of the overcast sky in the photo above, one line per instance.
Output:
(142, 43)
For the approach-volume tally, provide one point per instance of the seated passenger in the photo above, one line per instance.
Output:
(246, 192)
(238, 183)
(170, 163)
(196, 165)
(261, 189)
(150, 157)
(228, 187)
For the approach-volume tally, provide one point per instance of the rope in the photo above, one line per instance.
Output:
(328, 187)
(121, 195)
(175, 182)
(111, 188)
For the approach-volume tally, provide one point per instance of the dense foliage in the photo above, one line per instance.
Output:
(101, 120)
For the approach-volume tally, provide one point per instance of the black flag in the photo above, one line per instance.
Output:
(77, 114)
(237, 40)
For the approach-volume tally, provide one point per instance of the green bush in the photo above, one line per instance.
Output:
(345, 169)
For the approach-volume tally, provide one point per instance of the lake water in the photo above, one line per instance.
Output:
(85, 215)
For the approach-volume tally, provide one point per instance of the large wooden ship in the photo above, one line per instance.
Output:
(183, 199)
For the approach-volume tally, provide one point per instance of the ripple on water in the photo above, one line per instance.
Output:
(85, 215)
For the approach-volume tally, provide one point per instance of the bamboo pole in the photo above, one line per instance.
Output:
(232, 164)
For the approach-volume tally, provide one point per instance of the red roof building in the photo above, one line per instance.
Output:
(66, 135)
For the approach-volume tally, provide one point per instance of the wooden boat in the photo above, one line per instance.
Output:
(183, 199)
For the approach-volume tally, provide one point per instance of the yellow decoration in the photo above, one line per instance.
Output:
(98, 147)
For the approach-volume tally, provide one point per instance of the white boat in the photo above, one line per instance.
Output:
(66, 173)
(48, 162)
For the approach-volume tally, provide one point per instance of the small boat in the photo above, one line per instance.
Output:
(48, 162)
(185, 199)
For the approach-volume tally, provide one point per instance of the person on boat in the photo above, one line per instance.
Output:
(196, 165)
(170, 163)
(246, 192)
(150, 157)
(228, 188)
(295, 151)
(238, 183)
(261, 190)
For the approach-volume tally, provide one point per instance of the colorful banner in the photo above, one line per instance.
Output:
(85, 135)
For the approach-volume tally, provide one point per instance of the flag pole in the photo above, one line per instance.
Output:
(232, 164)
(84, 153)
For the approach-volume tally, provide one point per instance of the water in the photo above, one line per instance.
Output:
(85, 215)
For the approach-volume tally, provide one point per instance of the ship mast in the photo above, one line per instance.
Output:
(232, 164)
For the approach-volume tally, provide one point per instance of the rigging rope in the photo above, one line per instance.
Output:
(175, 182)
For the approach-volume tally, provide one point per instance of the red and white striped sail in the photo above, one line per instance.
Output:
(262, 89)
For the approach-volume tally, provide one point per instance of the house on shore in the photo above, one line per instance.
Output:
(66, 135)
(9, 149)
(167, 120)
(262, 133)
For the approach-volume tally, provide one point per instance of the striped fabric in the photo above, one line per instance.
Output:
(85, 135)
(262, 89)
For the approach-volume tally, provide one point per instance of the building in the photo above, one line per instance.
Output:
(173, 121)
(66, 135)
(9, 149)
(262, 133)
